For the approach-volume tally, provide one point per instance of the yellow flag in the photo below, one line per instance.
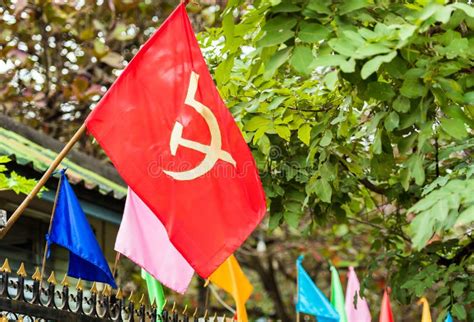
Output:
(230, 277)
(426, 315)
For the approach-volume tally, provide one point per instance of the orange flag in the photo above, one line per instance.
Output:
(426, 315)
(230, 277)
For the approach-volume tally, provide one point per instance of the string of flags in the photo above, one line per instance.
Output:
(171, 205)
(310, 300)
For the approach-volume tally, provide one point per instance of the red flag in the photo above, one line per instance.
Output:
(386, 309)
(175, 143)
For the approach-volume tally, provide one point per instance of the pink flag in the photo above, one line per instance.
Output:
(360, 313)
(143, 239)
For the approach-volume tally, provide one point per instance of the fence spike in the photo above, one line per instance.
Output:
(174, 306)
(130, 298)
(93, 289)
(65, 281)
(142, 300)
(185, 309)
(6, 267)
(37, 275)
(195, 312)
(205, 314)
(52, 278)
(153, 304)
(119, 295)
(215, 317)
(164, 304)
(107, 290)
(21, 271)
(79, 285)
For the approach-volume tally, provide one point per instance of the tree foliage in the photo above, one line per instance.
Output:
(13, 181)
(362, 111)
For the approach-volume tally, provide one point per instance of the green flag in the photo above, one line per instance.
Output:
(337, 295)
(155, 290)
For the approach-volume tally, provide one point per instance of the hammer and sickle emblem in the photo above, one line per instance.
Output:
(213, 151)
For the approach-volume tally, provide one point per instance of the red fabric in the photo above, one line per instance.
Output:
(386, 309)
(206, 218)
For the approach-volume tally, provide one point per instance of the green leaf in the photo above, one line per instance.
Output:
(454, 127)
(302, 59)
(466, 217)
(369, 50)
(373, 65)
(326, 139)
(323, 190)
(283, 132)
(469, 98)
(313, 32)
(343, 46)
(223, 71)
(468, 10)
(272, 38)
(256, 122)
(377, 144)
(412, 87)
(459, 311)
(280, 23)
(415, 165)
(320, 6)
(274, 221)
(278, 59)
(352, 5)
(392, 121)
(276, 102)
(401, 104)
(286, 7)
(380, 91)
(304, 133)
(421, 230)
(330, 80)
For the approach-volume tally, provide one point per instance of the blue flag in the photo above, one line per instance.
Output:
(310, 298)
(71, 230)
(449, 318)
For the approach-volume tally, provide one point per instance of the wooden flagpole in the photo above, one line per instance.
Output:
(19, 211)
(43, 264)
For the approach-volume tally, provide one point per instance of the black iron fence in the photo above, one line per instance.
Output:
(32, 299)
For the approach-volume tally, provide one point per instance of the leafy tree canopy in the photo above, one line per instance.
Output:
(362, 111)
